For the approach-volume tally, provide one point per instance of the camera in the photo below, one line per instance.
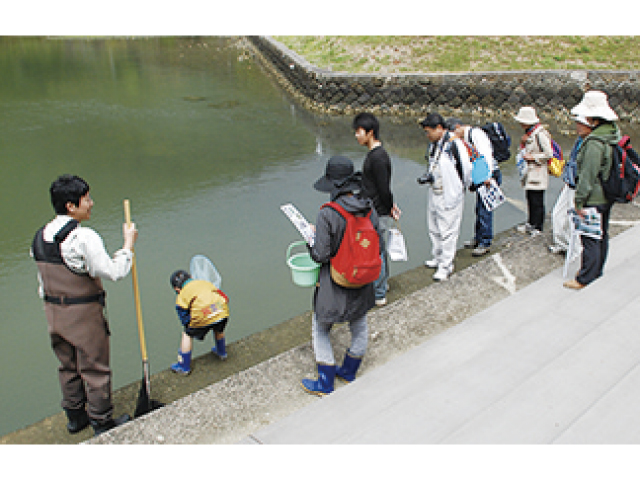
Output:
(426, 178)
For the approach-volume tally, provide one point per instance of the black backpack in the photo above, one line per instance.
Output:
(623, 182)
(500, 141)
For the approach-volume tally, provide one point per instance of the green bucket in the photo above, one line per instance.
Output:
(304, 271)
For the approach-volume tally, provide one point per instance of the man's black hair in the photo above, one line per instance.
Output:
(67, 188)
(433, 120)
(369, 122)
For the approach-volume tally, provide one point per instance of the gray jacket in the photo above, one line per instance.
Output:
(333, 303)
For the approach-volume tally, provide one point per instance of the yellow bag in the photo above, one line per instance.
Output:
(555, 166)
(555, 163)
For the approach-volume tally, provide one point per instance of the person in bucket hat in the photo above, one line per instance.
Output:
(594, 160)
(332, 303)
(536, 150)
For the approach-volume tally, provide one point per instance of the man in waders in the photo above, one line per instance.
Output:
(71, 259)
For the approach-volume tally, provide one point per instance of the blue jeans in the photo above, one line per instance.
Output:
(380, 285)
(484, 218)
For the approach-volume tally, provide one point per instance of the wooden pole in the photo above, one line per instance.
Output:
(136, 291)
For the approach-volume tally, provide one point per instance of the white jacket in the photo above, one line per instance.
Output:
(480, 140)
(83, 251)
(442, 163)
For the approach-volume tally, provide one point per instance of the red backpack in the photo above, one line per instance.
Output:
(357, 262)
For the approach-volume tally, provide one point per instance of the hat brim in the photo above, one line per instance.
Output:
(582, 120)
(323, 184)
(605, 112)
(527, 120)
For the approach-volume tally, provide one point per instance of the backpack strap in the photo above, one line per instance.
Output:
(456, 155)
(470, 141)
(551, 140)
(338, 208)
(341, 210)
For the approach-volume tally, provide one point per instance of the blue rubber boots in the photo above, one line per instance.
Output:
(220, 348)
(324, 384)
(350, 365)
(183, 366)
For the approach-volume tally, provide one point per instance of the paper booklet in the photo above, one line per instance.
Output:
(492, 196)
(299, 222)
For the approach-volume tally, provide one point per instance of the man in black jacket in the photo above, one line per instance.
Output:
(376, 185)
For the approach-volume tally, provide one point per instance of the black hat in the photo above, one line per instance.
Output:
(338, 169)
(432, 121)
(178, 278)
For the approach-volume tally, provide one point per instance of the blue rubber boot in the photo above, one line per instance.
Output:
(350, 365)
(220, 349)
(183, 366)
(324, 384)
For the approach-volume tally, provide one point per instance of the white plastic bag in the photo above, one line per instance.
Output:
(560, 217)
(397, 249)
(523, 168)
(574, 252)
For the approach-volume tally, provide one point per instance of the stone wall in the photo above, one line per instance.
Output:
(553, 92)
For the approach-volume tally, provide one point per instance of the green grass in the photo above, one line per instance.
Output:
(393, 54)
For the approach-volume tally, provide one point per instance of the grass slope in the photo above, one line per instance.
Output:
(404, 54)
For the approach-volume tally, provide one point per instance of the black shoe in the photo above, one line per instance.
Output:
(78, 420)
(101, 426)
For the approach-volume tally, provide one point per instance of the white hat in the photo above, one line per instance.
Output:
(595, 104)
(582, 119)
(527, 115)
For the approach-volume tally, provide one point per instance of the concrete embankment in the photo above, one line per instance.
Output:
(233, 409)
(259, 383)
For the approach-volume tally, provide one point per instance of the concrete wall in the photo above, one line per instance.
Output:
(554, 92)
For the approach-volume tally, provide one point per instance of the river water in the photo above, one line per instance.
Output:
(207, 148)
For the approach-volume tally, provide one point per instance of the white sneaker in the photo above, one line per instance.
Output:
(470, 243)
(433, 263)
(524, 228)
(555, 248)
(480, 251)
(381, 302)
(535, 232)
(442, 273)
